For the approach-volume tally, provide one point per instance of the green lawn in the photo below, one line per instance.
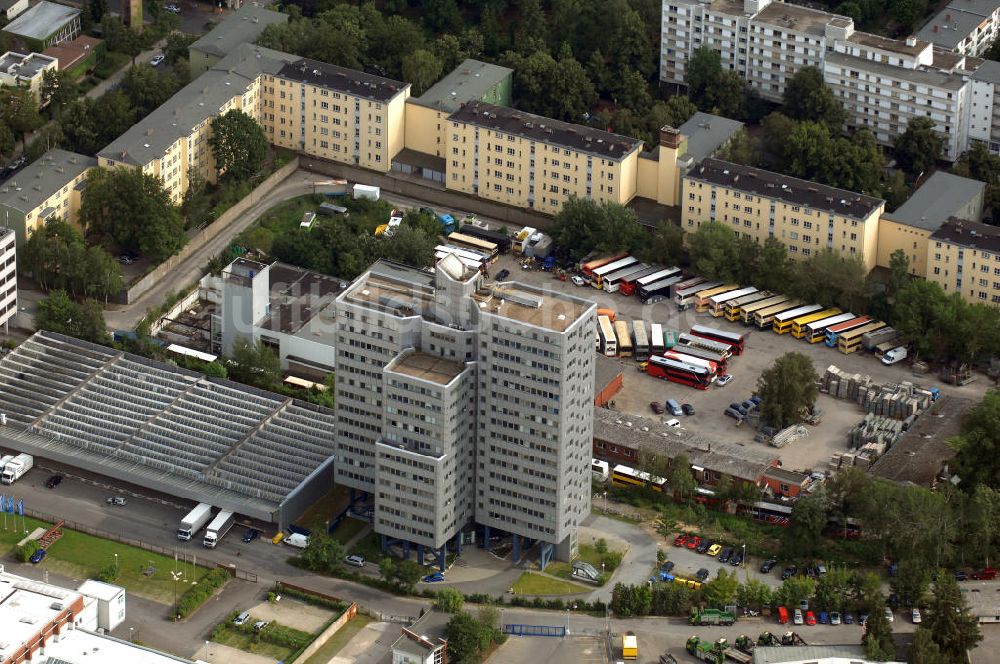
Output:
(538, 584)
(369, 548)
(336, 642)
(588, 553)
(241, 641)
(83, 556)
(347, 529)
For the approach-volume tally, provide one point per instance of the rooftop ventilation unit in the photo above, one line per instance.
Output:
(523, 300)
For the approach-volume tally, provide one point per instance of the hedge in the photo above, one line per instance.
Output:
(198, 594)
(332, 604)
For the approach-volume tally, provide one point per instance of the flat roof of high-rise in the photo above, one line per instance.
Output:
(783, 187)
(546, 130)
(428, 367)
(535, 306)
(795, 17)
(467, 82)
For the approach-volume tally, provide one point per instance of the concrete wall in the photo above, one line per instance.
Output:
(893, 235)
(325, 635)
(210, 232)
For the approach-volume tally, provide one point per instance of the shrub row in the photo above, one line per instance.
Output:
(200, 592)
(308, 598)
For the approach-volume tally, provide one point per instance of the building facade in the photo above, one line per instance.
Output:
(20, 70)
(806, 217)
(461, 403)
(965, 26)
(964, 257)
(8, 276)
(46, 24)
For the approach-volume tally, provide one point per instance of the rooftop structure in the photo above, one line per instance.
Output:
(47, 23)
(11, 8)
(920, 455)
(833, 654)
(20, 67)
(427, 367)
(546, 130)
(42, 178)
(787, 16)
(972, 234)
(414, 648)
(784, 188)
(706, 133)
(472, 80)
(243, 26)
(334, 77)
(941, 196)
(949, 27)
(173, 430)
(194, 104)
(70, 53)
(640, 433)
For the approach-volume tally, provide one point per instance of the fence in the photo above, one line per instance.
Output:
(534, 630)
(184, 556)
(325, 635)
(210, 231)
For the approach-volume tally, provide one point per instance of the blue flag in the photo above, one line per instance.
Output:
(3, 503)
(10, 505)
(20, 506)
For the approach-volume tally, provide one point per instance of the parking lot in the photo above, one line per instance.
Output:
(762, 349)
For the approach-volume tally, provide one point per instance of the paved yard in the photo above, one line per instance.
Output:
(216, 653)
(370, 645)
(570, 650)
(293, 613)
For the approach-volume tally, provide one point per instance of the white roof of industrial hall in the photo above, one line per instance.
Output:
(41, 20)
(157, 425)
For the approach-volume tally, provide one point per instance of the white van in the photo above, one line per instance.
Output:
(897, 354)
(298, 540)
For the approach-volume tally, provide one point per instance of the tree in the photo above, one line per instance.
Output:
(422, 69)
(132, 208)
(674, 112)
(468, 639)
(777, 127)
(255, 364)
(721, 591)
(702, 75)
(666, 246)
(952, 627)
(979, 163)
(712, 249)
(584, 225)
(787, 389)
(899, 273)
(742, 148)
(323, 553)
(57, 258)
(831, 279)
(794, 590)
(680, 480)
(907, 12)
(448, 600)
(807, 97)
(58, 89)
(918, 147)
(7, 140)
(58, 313)
(913, 578)
(19, 111)
(805, 530)
(977, 461)
(238, 145)
(176, 48)
(754, 594)
(982, 522)
(120, 38)
(923, 650)
(774, 267)
(877, 638)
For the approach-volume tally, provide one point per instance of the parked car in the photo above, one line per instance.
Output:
(737, 559)
(260, 624)
(714, 550)
(681, 540)
(667, 566)
(862, 618)
(693, 542)
(173, 9)
(915, 616)
(119, 501)
(54, 481)
(834, 618)
(987, 574)
(502, 274)
(38, 556)
(889, 615)
(250, 535)
(824, 618)
(701, 574)
(961, 575)
(726, 554)
(673, 423)
(156, 60)
(656, 407)
(355, 560)
(436, 577)
(724, 380)
(848, 618)
(687, 408)
(703, 546)
(738, 408)
(797, 617)
(767, 565)
(578, 280)
(789, 572)
(810, 618)
(735, 414)
(242, 618)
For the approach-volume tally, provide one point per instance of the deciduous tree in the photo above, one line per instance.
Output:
(721, 591)
(808, 97)
(58, 313)
(422, 69)
(255, 364)
(977, 462)
(787, 389)
(585, 225)
(238, 144)
(680, 480)
(918, 147)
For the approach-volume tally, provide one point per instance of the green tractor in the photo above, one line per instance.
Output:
(745, 644)
(768, 639)
(706, 651)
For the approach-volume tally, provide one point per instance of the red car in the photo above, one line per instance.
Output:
(693, 542)
(810, 618)
(681, 540)
(987, 574)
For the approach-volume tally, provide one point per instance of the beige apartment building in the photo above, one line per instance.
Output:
(26, 70)
(335, 113)
(534, 162)
(48, 188)
(964, 257)
(806, 217)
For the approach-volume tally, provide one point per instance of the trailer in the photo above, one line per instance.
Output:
(871, 339)
(366, 191)
(221, 524)
(711, 617)
(706, 651)
(194, 520)
(16, 467)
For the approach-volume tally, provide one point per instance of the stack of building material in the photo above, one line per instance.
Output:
(788, 434)
(901, 402)
(876, 430)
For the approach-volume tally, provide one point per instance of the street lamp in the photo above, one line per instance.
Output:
(176, 577)
(743, 562)
(130, 630)
(605, 502)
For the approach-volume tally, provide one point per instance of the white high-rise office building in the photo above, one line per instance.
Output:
(8, 277)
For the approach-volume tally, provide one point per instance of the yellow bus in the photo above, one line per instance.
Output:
(469, 242)
(624, 338)
(798, 326)
(850, 341)
(763, 318)
(733, 307)
(789, 315)
(717, 303)
(746, 311)
(607, 341)
(816, 331)
(701, 299)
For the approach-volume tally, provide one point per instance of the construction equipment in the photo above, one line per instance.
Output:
(745, 643)
(768, 639)
(792, 639)
(711, 617)
(705, 651)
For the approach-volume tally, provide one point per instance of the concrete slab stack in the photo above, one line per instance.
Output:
(903, 401)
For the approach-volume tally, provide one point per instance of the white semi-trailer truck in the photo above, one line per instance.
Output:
(220, 525)
(16, 467)
(194, 521)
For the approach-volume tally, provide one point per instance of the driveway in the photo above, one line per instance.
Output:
(639, 559)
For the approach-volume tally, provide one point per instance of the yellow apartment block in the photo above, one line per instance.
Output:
(964, 257)
(528, 161)
(909, 227)
(806, 217)
(335, 113)
(48, 188)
